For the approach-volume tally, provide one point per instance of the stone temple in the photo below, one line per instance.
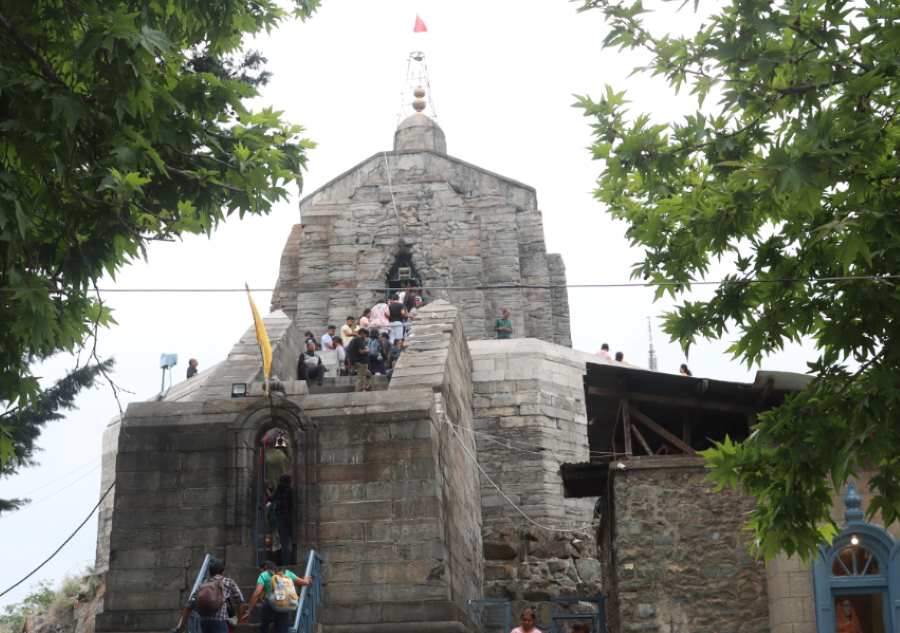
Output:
(487, 475)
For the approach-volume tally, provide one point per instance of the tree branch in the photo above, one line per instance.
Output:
(46, 68)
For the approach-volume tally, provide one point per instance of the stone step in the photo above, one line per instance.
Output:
(346, 384)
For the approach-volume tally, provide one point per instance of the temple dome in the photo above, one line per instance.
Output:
(418, 132)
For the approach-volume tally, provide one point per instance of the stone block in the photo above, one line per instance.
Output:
(134, 538)
(499, 551)
(207, 440)
(355, 511)
(202, 461)
(159, 578)
(415, 508)
(342, 532)
(343, 473)
(403, 532)
(132, 600)
(403, 573)
(126, 621)
(213, 498)
(397, 450)
(152, 461)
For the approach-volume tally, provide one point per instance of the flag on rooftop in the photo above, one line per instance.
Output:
(420, 26)
(262, 337)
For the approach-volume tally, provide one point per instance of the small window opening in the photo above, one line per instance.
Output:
(403, 274)
(275, 533)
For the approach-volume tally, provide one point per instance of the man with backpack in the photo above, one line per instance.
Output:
(276, 585)
(214, 598)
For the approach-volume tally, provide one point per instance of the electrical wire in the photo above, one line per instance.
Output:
(63, 489)
(580, 531)
(511, 286)
(65, 474)
(62, 545)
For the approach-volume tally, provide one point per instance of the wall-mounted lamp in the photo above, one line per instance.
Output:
(238, 390)
(854, 540)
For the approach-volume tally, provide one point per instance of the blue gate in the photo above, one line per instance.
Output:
(495, 615)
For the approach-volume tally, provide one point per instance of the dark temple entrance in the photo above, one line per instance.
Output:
(275, 534)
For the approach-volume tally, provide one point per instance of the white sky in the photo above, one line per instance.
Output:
(503, 74)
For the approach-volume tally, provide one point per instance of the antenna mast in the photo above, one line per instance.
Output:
(651, 354)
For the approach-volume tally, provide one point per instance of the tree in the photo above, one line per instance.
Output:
(793, 180)
(124, 122)
(21, 427)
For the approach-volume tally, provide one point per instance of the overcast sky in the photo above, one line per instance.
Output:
(502, 74)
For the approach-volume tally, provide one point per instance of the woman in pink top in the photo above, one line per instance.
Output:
(378, 316)
(527, 625)
(364, 318)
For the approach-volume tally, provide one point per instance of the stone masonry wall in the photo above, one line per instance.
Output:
(385, 491)
(559, 297)
(681, 556)
(530, 418)
(169, 511)
(464, 226)
(438, 356)
(110, 444)
(383, 523)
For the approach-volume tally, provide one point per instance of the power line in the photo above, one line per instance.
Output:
(63, 489)
(62, 545)
(65, 474)
(503, 494)
(624, 284)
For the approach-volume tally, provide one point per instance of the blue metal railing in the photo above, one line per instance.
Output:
(495, 615)
(491, 614)
(310, 596)
(564, 610)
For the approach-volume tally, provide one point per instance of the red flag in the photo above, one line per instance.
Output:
(420, 26)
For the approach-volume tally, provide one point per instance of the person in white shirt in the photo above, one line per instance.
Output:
(328, 338)
(604, 352)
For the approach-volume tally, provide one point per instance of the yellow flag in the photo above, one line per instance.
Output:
(261, 337)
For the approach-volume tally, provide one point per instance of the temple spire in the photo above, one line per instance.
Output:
(418, 130)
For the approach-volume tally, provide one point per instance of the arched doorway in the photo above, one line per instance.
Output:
(857, 578)
(275, 531)
(271, 440)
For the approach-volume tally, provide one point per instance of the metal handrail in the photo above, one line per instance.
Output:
(310, 596)
(204, 568)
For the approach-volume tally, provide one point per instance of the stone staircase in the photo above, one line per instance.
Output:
(346, 384)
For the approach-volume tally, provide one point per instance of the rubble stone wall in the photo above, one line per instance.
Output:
(682, 558)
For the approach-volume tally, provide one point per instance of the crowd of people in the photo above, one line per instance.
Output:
(364, 346)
